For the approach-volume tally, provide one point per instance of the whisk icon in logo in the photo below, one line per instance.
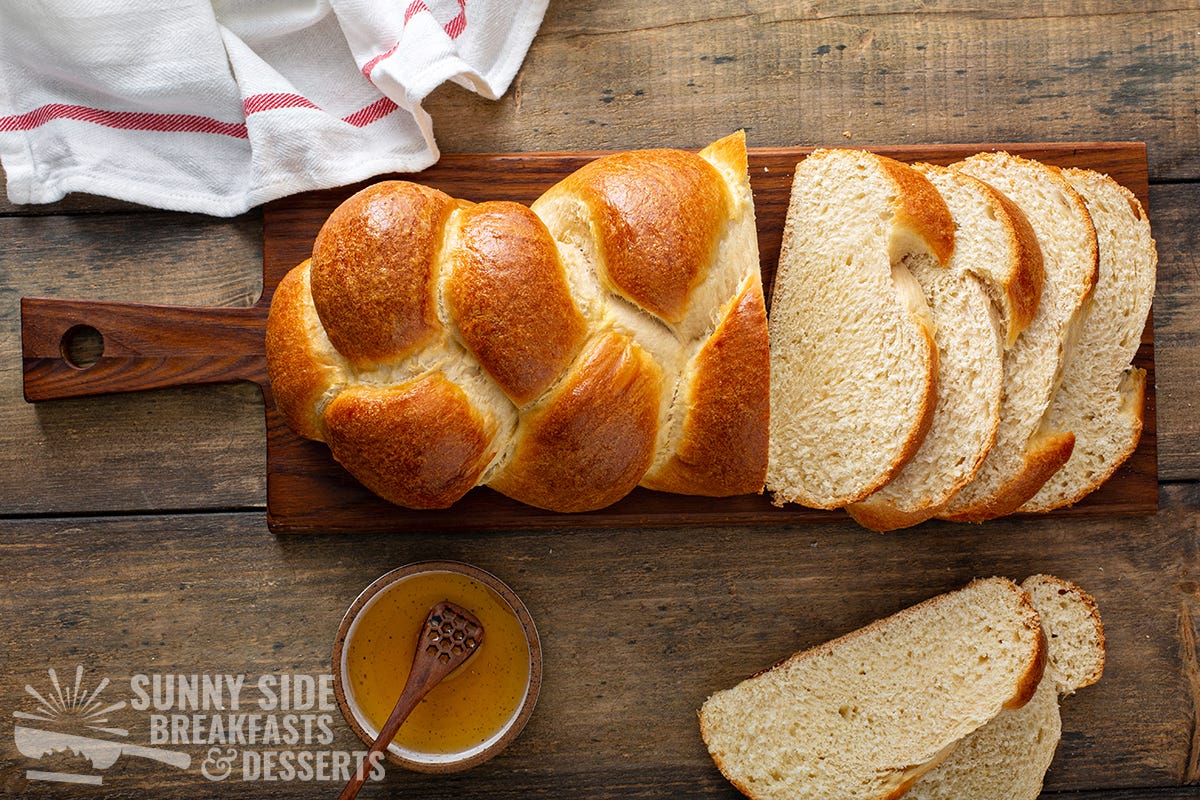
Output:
(66, 716)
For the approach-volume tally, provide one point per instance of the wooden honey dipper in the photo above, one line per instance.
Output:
(449, 637)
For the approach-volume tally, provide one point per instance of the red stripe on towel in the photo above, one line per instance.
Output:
(271, 101)
(183, 123)
(359, 119)
(414, 8)
(454, 28)
(377, 110)
(124, 120)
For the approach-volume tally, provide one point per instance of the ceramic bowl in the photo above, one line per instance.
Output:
(384, 590)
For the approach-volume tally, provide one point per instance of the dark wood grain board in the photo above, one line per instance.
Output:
(308, 491)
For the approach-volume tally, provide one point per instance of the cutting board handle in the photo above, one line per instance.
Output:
(129, 347)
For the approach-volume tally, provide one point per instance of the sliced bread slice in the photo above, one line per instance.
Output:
(1007, 759)
(1102, 395)
(1074, 632)
(1004, 760)
(862, 717)
(984, 297)
(853, 362)
(1027, 451)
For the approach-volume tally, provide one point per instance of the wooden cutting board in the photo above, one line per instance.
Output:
(149, 347)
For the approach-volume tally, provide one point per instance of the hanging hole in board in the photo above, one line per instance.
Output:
(82, 346)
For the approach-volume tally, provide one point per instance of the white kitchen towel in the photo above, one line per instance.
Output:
(216, 106)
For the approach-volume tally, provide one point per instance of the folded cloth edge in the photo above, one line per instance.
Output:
(32, 178)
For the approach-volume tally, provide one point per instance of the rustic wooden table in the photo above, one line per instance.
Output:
(133, 535)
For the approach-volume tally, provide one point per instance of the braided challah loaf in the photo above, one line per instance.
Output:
(612, 335)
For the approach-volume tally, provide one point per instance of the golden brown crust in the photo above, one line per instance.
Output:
(420, 444)
(372, 276)
(298, 378)
(724, 446)
(1028, 683)
(920, 206)
(1045, 456)
(1025, 290)
(510, 298)
(882, 516)
(903, 787)
(588, 443)
(730, 151)
(404, 277)
(719, 761)
(1023, 286)
(658, 214)
(735, 781)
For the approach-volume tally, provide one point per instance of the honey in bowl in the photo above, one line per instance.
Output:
(463, 719)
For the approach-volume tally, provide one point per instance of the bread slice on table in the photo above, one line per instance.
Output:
(1102, 395)
(862, 717)
(1074, 632)
(1027, 450)
(853, 361)
(1007, 759)
(984, 298)
(1004, 760)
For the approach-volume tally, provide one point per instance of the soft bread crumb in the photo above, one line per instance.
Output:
(969, 330)
(853, 362)
(1007, 759)
(1025, 453)
(1101, 397)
